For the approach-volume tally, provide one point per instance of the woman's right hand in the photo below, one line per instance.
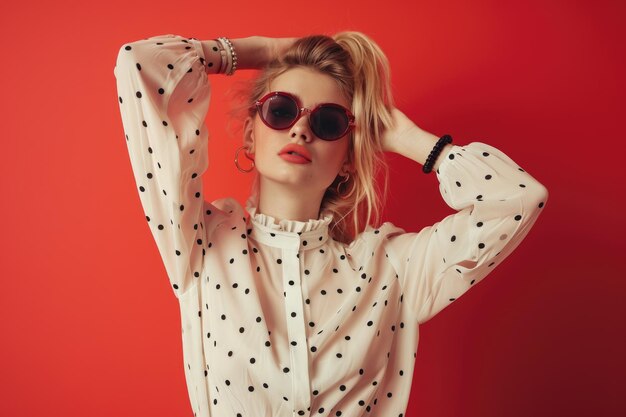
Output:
(278, 46)
(255, 52)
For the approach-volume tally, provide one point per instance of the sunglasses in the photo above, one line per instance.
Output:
(328, 121)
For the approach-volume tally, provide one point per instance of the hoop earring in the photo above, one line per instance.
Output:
(237, 159)
(347, 177)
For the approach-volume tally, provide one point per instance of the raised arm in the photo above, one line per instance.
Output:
(253, 52)
(497, 204)
(163, 94)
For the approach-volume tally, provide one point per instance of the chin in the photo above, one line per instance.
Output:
(286, 178)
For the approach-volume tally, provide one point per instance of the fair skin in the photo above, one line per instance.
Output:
(291, 191)
(409, 140)
(288, 190)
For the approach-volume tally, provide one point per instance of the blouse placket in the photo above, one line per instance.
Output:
(291, 245)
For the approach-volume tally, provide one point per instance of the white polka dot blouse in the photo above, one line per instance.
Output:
(278, 318)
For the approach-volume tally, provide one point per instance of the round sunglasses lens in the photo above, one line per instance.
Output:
(329, 122)
(279, 111)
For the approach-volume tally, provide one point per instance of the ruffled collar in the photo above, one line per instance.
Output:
(288, 233)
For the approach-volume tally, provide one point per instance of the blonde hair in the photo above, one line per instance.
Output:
(362, 73)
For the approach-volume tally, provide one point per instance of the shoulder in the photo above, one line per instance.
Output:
(223, 211)
(372, 237)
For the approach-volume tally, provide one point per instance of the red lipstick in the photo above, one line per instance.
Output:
(295, 153)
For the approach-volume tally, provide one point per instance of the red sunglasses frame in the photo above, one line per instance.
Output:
(302, 110)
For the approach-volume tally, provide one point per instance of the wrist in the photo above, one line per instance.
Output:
(279, 46)
(416, 144)
(251, 52)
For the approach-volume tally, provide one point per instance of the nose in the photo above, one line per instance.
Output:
(302, 128)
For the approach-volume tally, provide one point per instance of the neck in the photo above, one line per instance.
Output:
(285, 202)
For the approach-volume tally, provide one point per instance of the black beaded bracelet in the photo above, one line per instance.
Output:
(434, 153)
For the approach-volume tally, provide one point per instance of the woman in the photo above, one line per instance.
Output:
(297, 305)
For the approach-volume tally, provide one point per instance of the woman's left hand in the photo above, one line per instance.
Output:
(402, 128)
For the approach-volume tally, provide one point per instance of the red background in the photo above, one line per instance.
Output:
(89, 324)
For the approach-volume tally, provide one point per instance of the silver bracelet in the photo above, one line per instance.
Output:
(232, 61)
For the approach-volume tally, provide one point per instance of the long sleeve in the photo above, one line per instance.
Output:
(497, 203)
(163, 93)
